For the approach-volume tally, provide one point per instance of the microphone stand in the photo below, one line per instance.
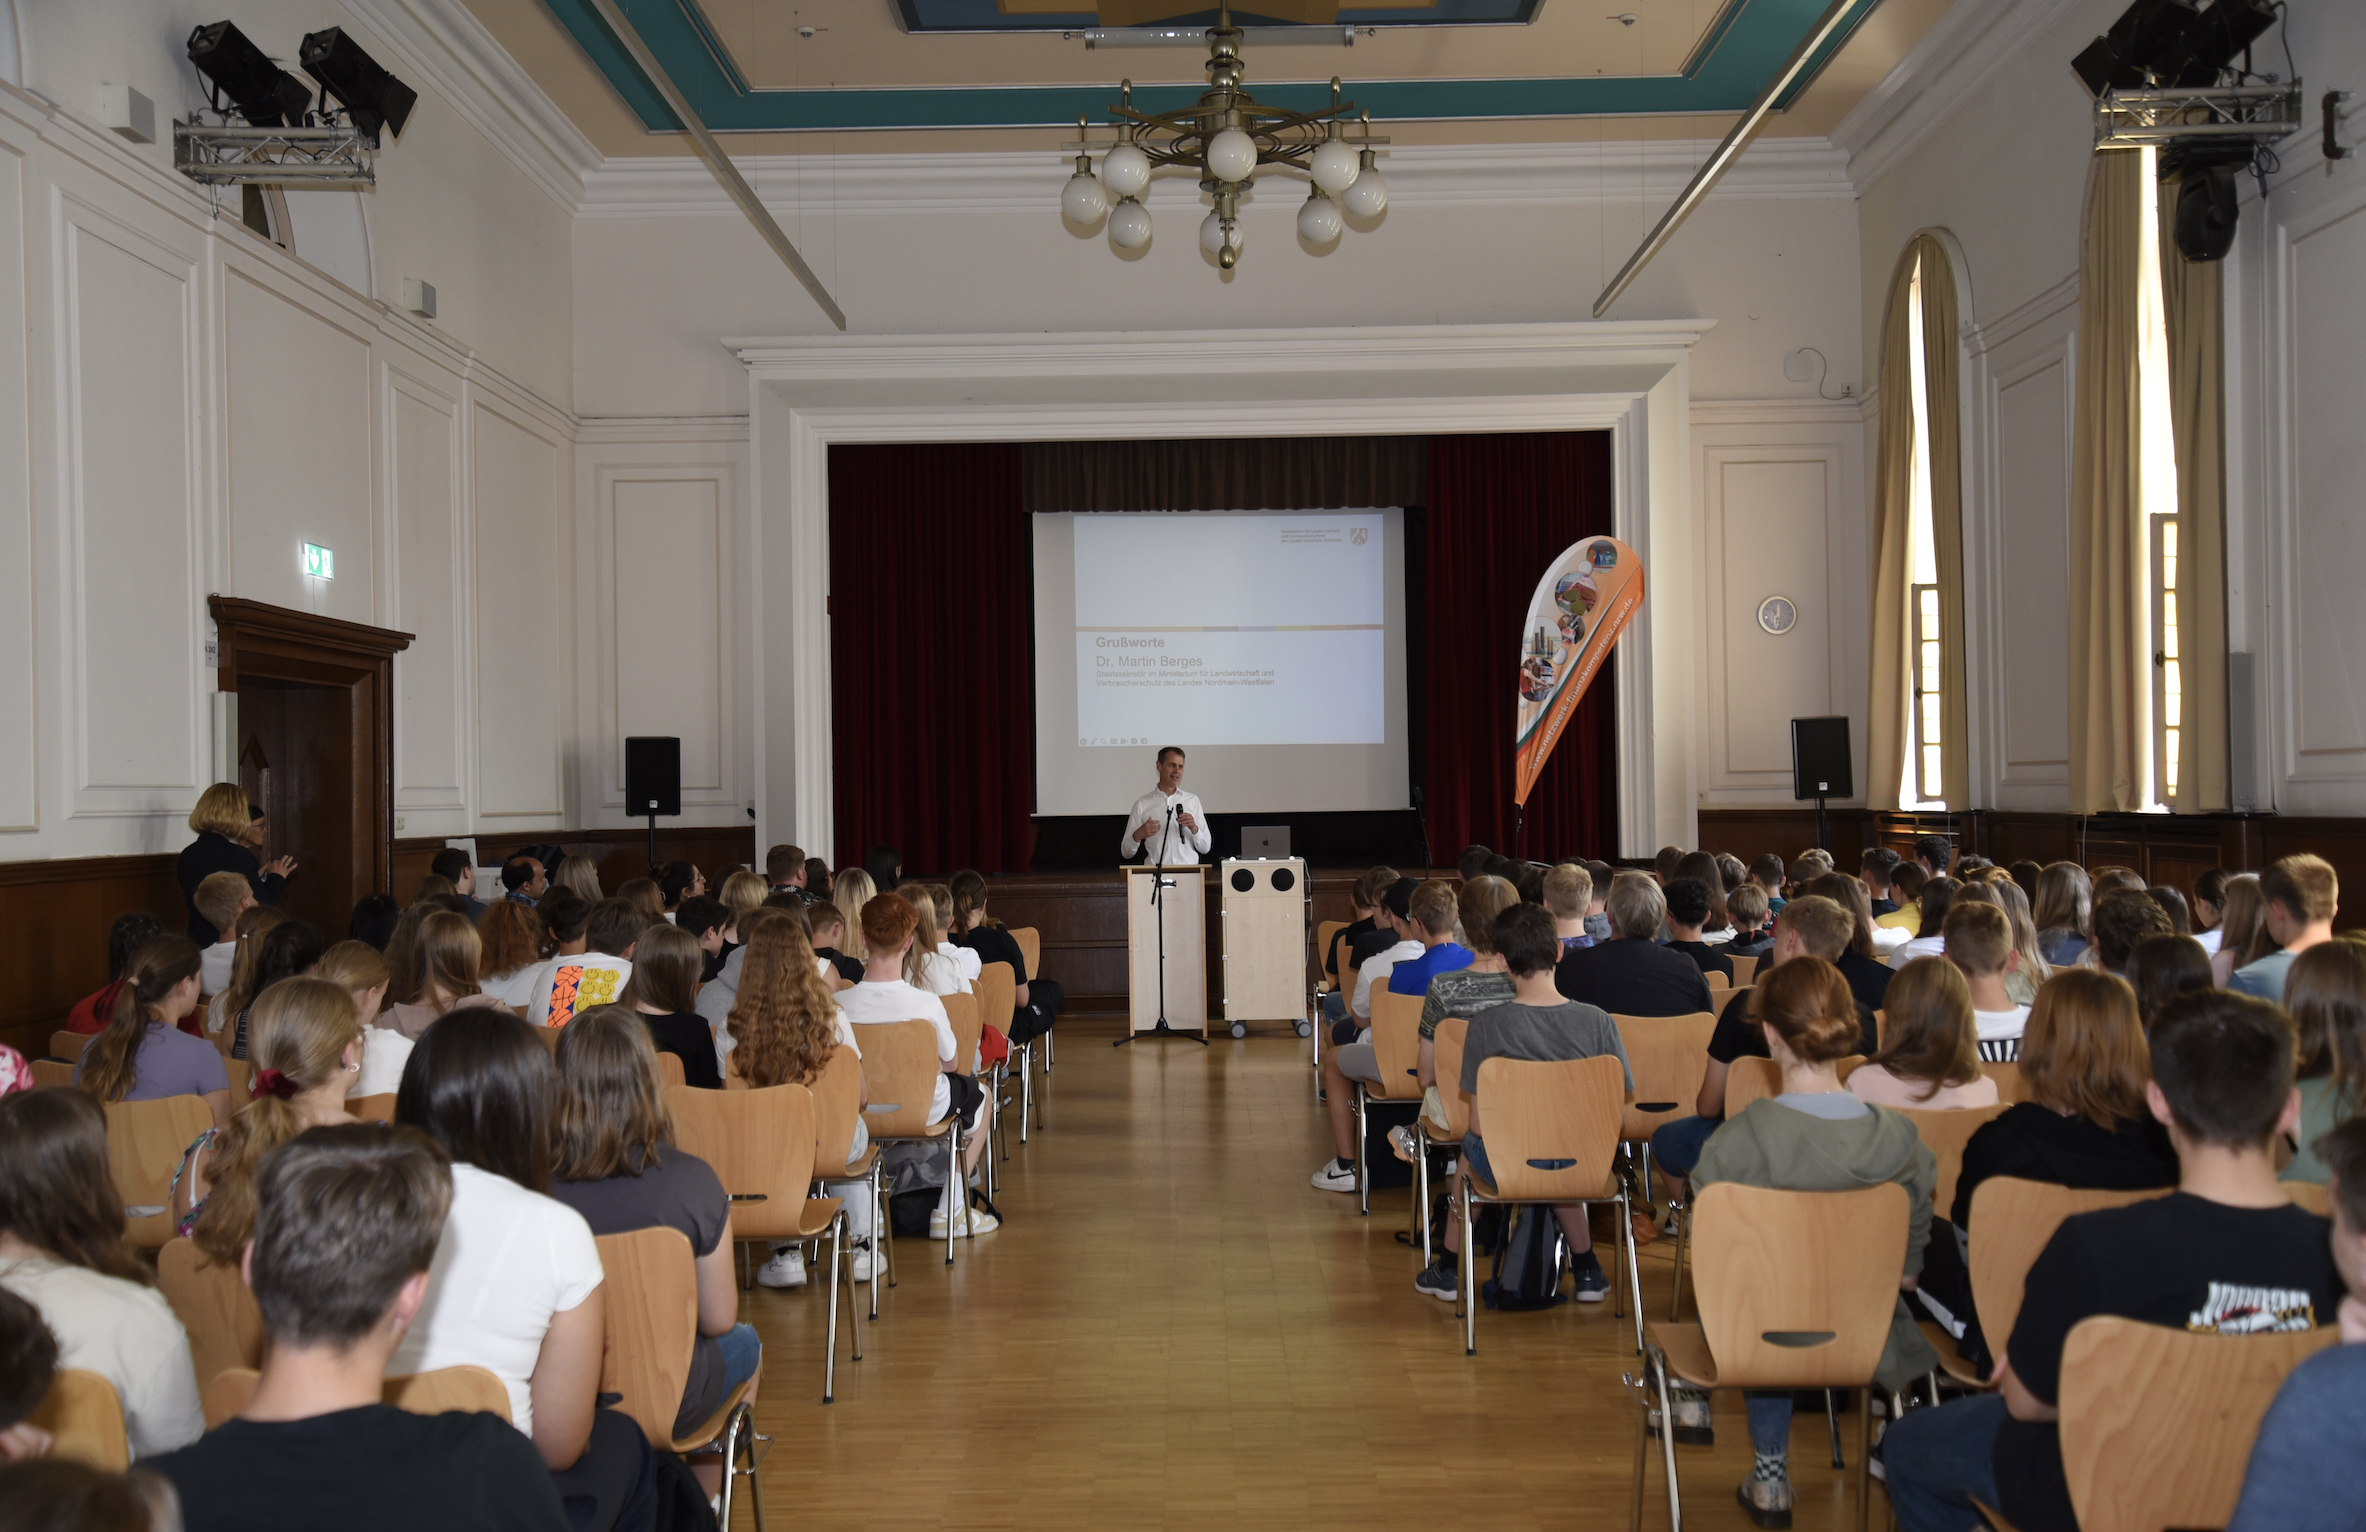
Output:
(1159, 883)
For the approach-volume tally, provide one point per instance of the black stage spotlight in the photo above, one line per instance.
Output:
(373, 97)
(2123, 58)
(266, 95)
(2211, 41)
(2207, 204)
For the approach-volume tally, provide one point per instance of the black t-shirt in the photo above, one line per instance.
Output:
(2037, 1143)
(688, 1037)
(848, 969)
(2180, 1261)
(1369, 945)
(1740, 1036)
(1883, 907)
(993, 944)
(1629, 977)
(1868, 980)
(1349, 934)
(1711, 959)
(371, 1469)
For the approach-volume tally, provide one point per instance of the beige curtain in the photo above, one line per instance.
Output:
(2110, 654)
(2192, 297)
(1893, 492)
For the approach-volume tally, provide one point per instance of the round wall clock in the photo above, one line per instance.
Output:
(1777, 615)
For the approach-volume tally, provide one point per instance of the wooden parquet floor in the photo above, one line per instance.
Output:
(1172, 1329)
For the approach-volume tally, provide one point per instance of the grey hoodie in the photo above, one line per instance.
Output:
(714, 1003)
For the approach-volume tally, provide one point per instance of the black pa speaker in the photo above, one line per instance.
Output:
(652, 775)
(1819, 758)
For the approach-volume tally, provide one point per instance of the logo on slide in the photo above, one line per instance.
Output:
(1359, 535)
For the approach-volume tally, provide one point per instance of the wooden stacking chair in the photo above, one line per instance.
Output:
(52, 1072)
(379, 1108)
(1396, 1048)
(1945, 1133)
(1749, 1079)
(1718, 983)
(2311, 1195)
(1796, 1291)
(2012, 1220)
(2010, 1088)
(837, 1110)
(900, 1060)
(761, 1144)
(145, 1142)
(84, 1419)
(652, 1309)
(998, 1002)
(550, 1037)
(241, 1074)
(1031, 949)
(1670, 1057)
(213, 1304)
(1324, 932)
(670, 1071)
(1745, 970)
(968, 1020)
(69, 1045)
(1552, 1137)
(1446, 1051)
(467, 1389)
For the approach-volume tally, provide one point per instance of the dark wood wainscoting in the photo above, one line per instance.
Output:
(622, 854)
(57, 914)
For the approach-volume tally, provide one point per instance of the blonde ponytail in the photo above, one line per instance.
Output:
(297, 1038)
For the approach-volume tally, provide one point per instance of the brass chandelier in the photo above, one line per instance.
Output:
(1227, 136)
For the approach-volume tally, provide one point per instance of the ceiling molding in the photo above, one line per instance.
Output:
(446, 47)
(1932, 84)
(1029, 181)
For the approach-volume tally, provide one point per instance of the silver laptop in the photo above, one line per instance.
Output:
(1262, 843)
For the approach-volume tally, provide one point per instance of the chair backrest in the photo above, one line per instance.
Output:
(2011, 1221)
(145, 1142)
(1031, 948)
(213, 1304)
(2157, 1424)
(378, 1108)
(1945, 1133)
(837, 1107)
(2010, 1088)
(1447, 1050)
(241, 1073)
(468, 1389)
(652, 1281)
(998, 995)
(759, 1143)
(669, 1070)
(901, 1060)
(1396, 1044)
(1745, 969)
(52, 1072)
(2312, 1195)
(1881, 1028)
(69, 1045)
(969, 1025)
(550, 1037)
(1670, 1055)
(1324, 931)
(1551, 1127)
(1748, 1079)
(84, 1419)
(1797, 1289)
(1716, 980)
(226, 1394)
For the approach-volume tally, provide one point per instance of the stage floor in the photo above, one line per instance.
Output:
(1174, 1330)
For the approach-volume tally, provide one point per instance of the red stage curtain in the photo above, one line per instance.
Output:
(934, 745)
(1500, 509)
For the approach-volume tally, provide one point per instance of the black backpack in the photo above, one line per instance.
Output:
(1527, 1264)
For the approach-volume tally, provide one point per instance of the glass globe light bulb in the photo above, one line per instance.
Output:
(1319, 222)
(1129, 225)
(1232, 155)
(1368, 197)
(1082, 200)
(1125, 169)
(1334, 165)
(1212, 234)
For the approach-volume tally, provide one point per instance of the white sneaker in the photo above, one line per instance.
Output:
(785, 1269)
(981, 1222)
(1334, 1177)
(863, 1258)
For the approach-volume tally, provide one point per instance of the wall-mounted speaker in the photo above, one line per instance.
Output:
(1819, 759)
(652, 775)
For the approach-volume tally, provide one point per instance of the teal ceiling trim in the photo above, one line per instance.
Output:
(1758, 37)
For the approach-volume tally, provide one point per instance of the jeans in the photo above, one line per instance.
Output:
(1770, 1421)
(1937, 1461)
(1677, 1145)
(742, 1355)
(1474, 1154)
(1335, 1005)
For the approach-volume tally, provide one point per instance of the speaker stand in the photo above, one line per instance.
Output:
(653, 844)
(1823, 839)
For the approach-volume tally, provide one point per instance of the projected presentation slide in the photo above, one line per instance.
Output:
(1230, 630)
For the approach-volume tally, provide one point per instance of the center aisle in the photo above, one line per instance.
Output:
(1172, 1329)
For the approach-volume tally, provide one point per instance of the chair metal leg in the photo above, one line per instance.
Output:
(882, 1237)
(1363, 1171)
(993, 1123)
(1026, 1087)
(1642, 1441)
(1421, 1191)
(1683, 1214)
(1832, 1418)
(830, 1352)
(956, 1186)
(1864, 1457)
(1047, 1053)
(1467, 1284)
(1658, 1363)
(842, 1238)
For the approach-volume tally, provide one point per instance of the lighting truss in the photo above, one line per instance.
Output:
(2261, 113)
(337, 155)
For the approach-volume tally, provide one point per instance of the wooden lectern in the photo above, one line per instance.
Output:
(1172, 927)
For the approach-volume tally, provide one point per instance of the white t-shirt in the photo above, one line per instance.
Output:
(126, 1334)
(2209, 939)
(1920, 947)
(565, 987)
(214, 964)
(970, 964)
(384, 1052)
(942, 975)
(2000, 1033)
(513, 989)
(509, 1259)
(1375, 973)
(1886, 941)
(873, 1003)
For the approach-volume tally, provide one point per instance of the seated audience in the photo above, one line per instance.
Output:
(706, 918)
(2325, 994)
(1907, 881)
(1767, 873)
(90, 1013)
(246, 975)
(717, 996)
(828, 935)
(2063, 910)
(523, 880)
(743, 891)
(580, 876)
(509, 951)
(347, 1223)
(663, 992)
(308, 1046)
(1039, 999)
(1688, 913)
(614, 1161)
(642, 895)
(434, 889)
(2209, 907)
(1753, 926)
(571, 984)
(2117, 880)
(450, 955)
(1930, 1057)
(455, 866)
(677, 881)
(938, 964)
(289, 950)
(62, 1249)
(1929, 940)
(1701, 867)
(1631, 974)
(143, 1055)
(818, 887)
(2304, 1465)
(1875, 867)
(1362, 937)
(2243, 933)
(28, 1365)
(2024, 874)
(565, 917)
(1536, 1024)
(1816, 1137)
(1568, 889)
(1978, 939)
(885, 866)
(2173, 905)
(2164, 967)
(1664, 863)
(1731, 872)
(1433, 905)
(1463, 992)
(2226, 1253)
(1597, 907)
(2022, 982)
(362, 972)
(2122, 919)
(219, 898)
(1396, 937)
(229, 831)
(889, 924)
(1934, 853)
(1429, 919)
(2301, 896)
(1470, 864)
(850, 890)
(1860, 962)
(784, 869)
(373, 920)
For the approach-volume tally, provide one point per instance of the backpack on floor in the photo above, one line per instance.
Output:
(1527, 1264)
(907, 1212)
(1380, 1161)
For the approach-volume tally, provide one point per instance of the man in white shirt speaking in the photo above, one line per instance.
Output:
(1167, 827)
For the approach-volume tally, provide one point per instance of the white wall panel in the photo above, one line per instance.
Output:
(2033, 515)
(666, 623)
(525, 648)
(431, 582)
(2328, 350)
(129, 380)
(298, 397)
(20, 743)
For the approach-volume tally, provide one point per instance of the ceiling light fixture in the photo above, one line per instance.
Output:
(1227, 136)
